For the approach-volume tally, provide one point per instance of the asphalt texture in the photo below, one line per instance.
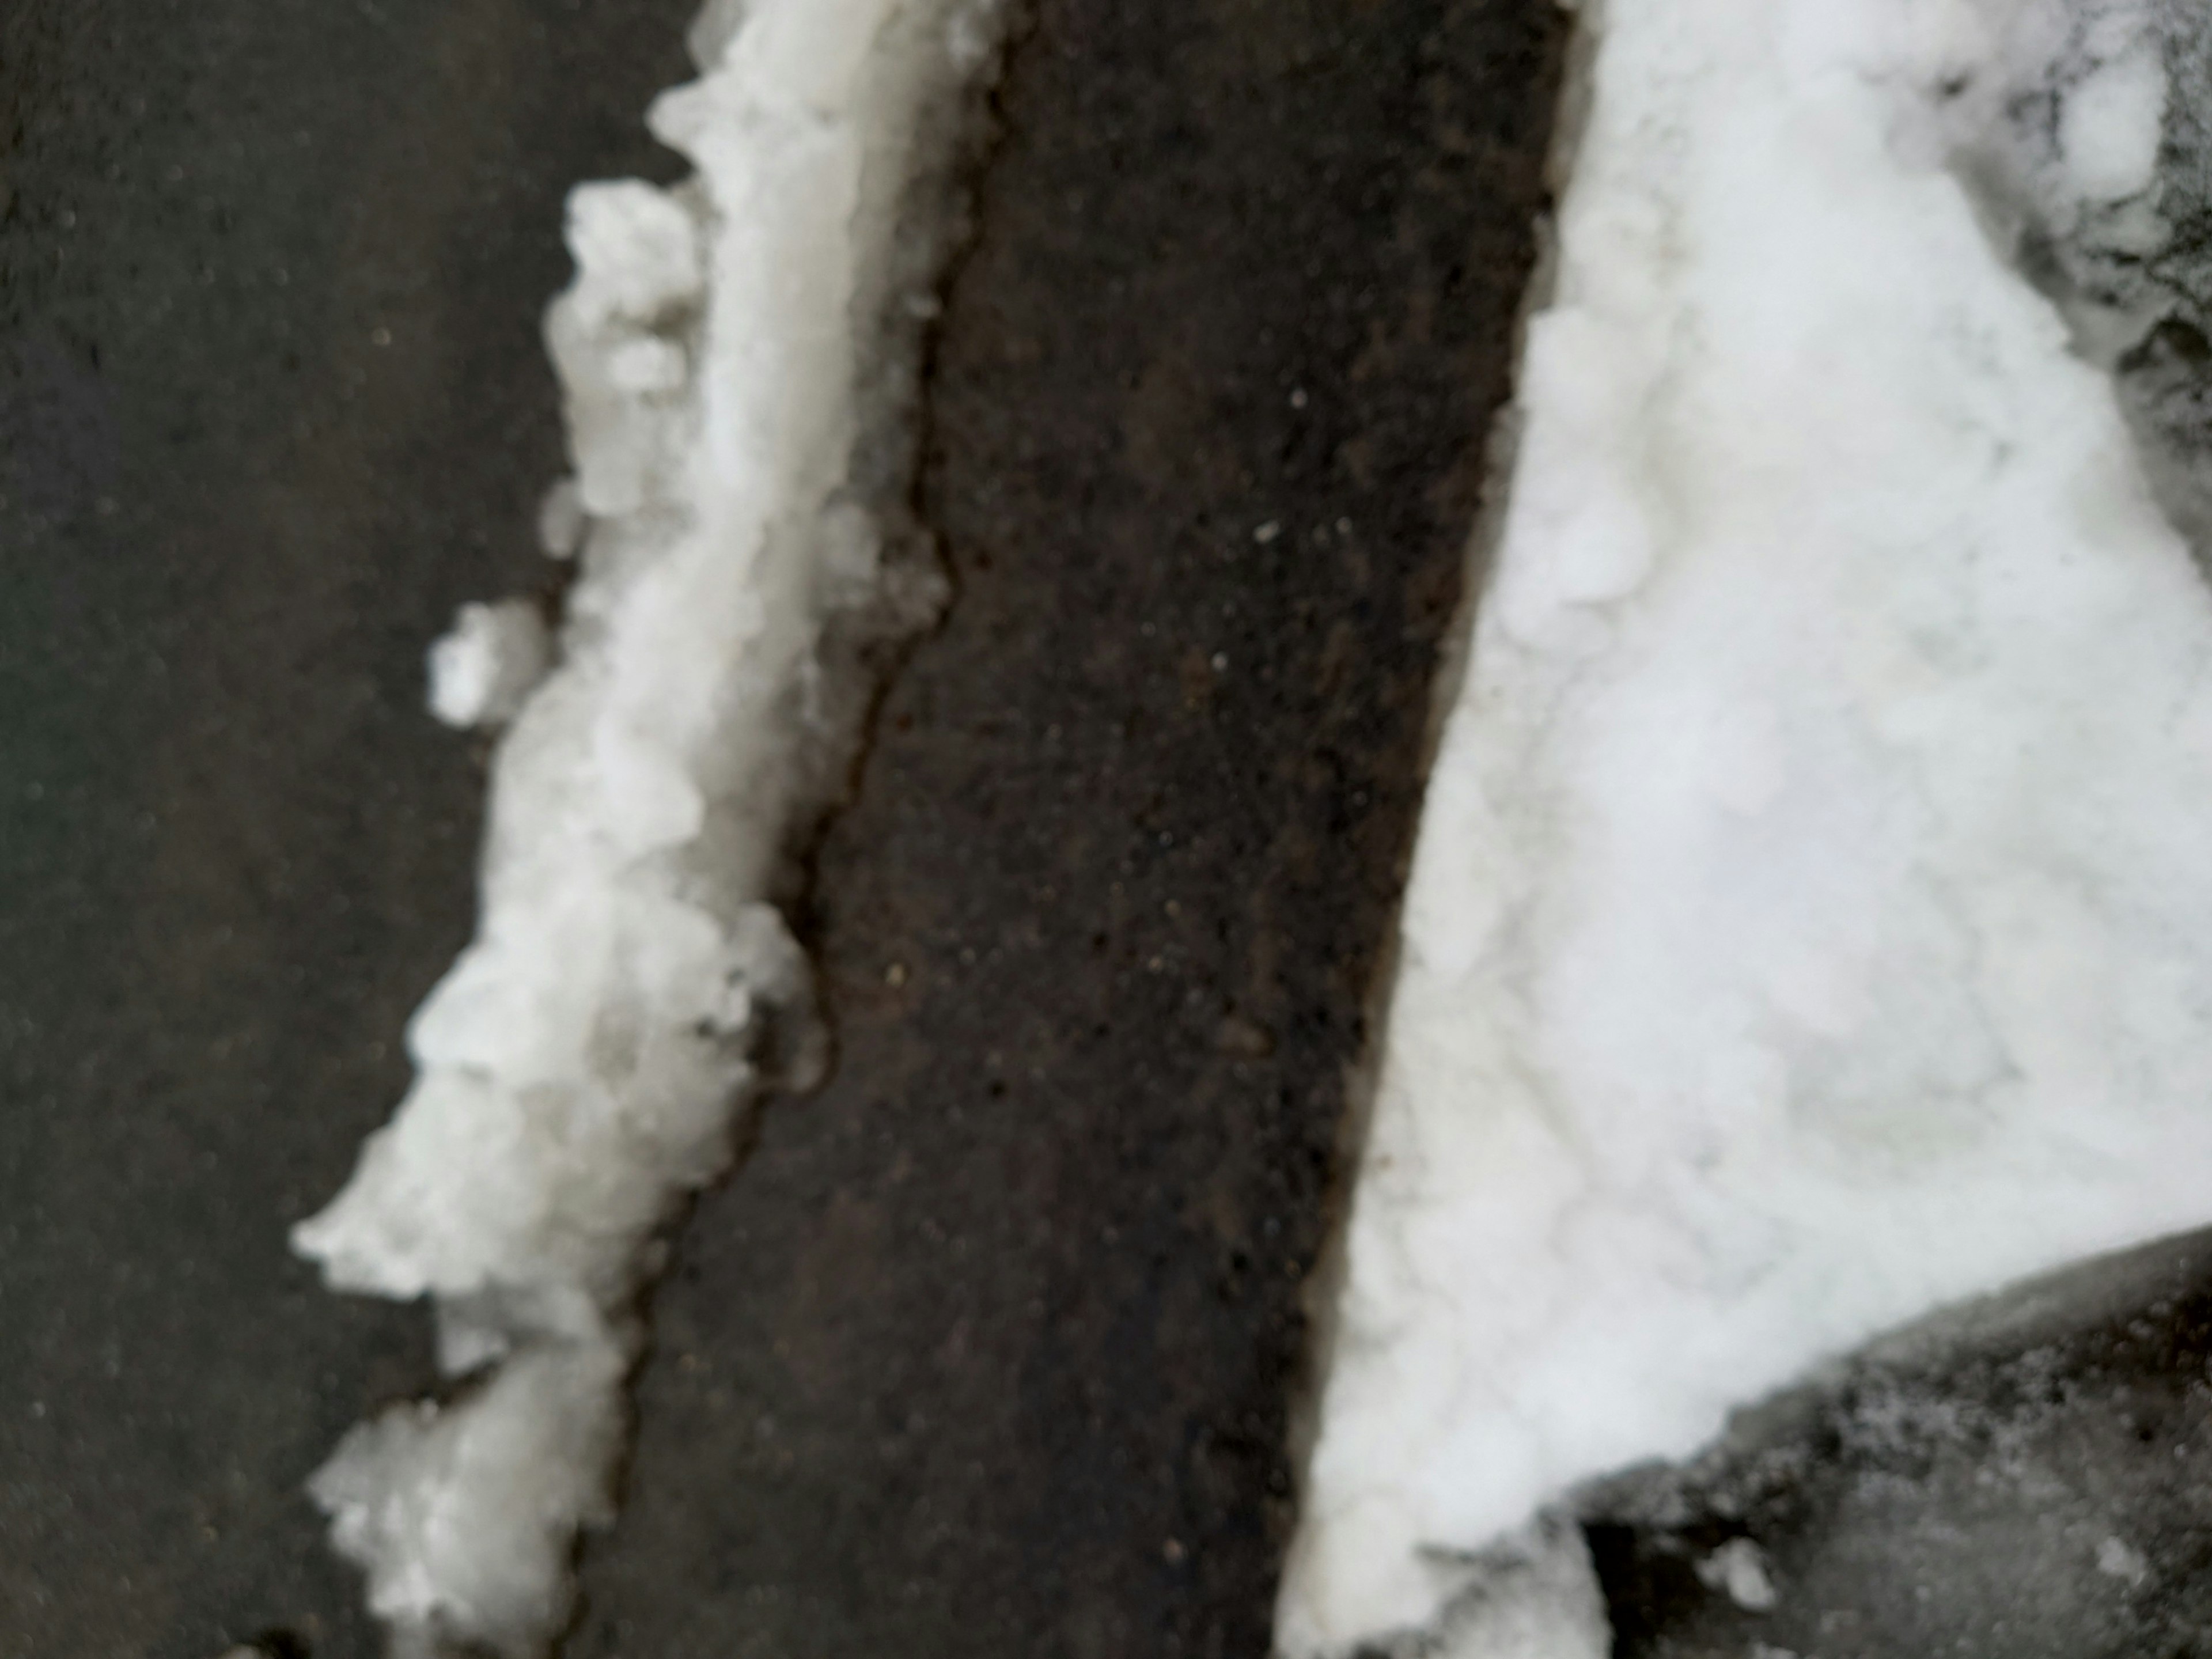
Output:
(272, 401)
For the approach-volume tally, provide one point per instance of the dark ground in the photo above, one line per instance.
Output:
(233, 851)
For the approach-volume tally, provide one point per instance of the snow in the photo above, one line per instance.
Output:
(493, 658)
(2110, 125)
(562, 520)
(1739, 1568)
(1539, 1600)
(738, 357)
(2118, 1558)
(1810, 924)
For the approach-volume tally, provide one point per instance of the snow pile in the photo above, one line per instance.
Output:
(1812, 919)
(739, 356)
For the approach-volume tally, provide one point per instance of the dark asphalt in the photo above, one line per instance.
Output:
(233, 851)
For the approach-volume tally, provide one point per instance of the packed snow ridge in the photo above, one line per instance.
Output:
(739, 356)
(1811, 922)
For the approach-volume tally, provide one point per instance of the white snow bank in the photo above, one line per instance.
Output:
(1811, 923)
(739, 357)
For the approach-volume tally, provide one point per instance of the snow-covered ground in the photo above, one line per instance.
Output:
(1811, 922)
(738, 355)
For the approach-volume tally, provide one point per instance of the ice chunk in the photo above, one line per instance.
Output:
(637, 253)
(463, 1513)
(2111, 126)
(2118, 1558)
(1739, 1567)
(562, 520)
(492, 659)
